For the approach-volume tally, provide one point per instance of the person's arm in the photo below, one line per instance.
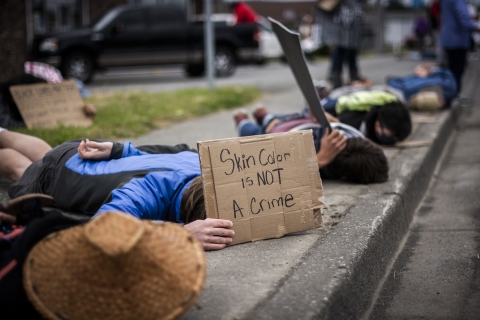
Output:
(331, 145)
(213, 234)
(461, 11)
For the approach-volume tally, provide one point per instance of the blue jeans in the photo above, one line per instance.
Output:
(248, 128)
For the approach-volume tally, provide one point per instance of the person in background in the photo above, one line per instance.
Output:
(434, 17)
(344, 153)
(456, 28)
(341, 29)
(421, 30)
(243, 12)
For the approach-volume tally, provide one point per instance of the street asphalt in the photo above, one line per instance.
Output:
(331, 272)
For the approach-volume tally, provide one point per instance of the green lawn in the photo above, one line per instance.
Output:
(131, 114)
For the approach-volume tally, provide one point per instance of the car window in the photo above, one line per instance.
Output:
(165, 18)
(104, 20)
(131, 21)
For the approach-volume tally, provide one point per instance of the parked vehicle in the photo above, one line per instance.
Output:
(269, 46)
(133, 35)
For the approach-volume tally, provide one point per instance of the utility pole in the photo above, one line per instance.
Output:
(379, 26)
(208, 43)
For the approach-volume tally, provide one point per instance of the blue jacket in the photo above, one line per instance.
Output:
(412, 84)
(456, 24)
(145, 182)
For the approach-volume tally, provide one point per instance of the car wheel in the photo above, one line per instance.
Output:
(225, 62)
(78, 65)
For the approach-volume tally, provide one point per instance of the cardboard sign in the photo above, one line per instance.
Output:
(267, 185)
(290, 42)
(47, 105)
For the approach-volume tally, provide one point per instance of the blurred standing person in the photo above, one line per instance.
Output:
(472, 11)
(341, 29)
(434, 16)
(421, 30)
(243, 12)
(455, 32)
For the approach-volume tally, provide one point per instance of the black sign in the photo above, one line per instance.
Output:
(290, 42)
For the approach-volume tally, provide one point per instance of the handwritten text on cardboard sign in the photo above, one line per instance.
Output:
(267, 185)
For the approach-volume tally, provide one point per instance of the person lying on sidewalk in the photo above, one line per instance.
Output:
(344, 153)
(53, 266)
(425, 80)
(149, 182)
(379, 114)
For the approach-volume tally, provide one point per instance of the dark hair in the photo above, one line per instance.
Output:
(395, 117)
(361, 161)
(192, 205)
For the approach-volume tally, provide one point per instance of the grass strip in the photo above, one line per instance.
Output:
(131, 114)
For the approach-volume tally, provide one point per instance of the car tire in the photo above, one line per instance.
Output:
(225, 62)
(79, 65)
(195, 70)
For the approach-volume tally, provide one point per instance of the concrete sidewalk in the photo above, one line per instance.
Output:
(333, 271)
(330, 272)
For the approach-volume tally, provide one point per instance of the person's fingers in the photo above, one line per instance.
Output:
(81, 148)
(341, 143)
(218, 240)
(213, 246)
(222, 232)
(336, 137)
(219, 223)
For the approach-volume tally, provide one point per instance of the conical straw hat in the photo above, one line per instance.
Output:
(115, 267)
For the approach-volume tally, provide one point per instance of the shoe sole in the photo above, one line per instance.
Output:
(25, 203)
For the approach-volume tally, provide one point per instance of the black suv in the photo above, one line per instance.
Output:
(146, 35)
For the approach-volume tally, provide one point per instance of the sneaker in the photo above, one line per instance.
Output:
(259, 114)
(26, 207)
(240, 115)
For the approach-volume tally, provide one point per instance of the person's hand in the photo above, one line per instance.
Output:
(423, 70)
(331, 118)
(213, 234)
(331, 145)
(89, 110)
(92, 150)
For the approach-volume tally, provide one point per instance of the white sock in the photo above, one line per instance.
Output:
(2, 129)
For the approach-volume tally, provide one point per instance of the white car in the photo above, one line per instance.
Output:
(269, 46)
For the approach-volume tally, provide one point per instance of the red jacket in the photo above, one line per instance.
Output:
(245, 13)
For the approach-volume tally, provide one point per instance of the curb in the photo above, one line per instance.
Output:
(338, 276)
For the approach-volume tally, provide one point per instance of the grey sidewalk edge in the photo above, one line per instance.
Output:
(337, 278)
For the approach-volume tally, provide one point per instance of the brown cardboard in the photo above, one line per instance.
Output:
(47, 105)
(267, 185)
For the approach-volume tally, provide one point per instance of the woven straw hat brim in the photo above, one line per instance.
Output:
(160, 277)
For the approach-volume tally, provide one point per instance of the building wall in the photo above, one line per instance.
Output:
(97, 7)
(13, 38)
